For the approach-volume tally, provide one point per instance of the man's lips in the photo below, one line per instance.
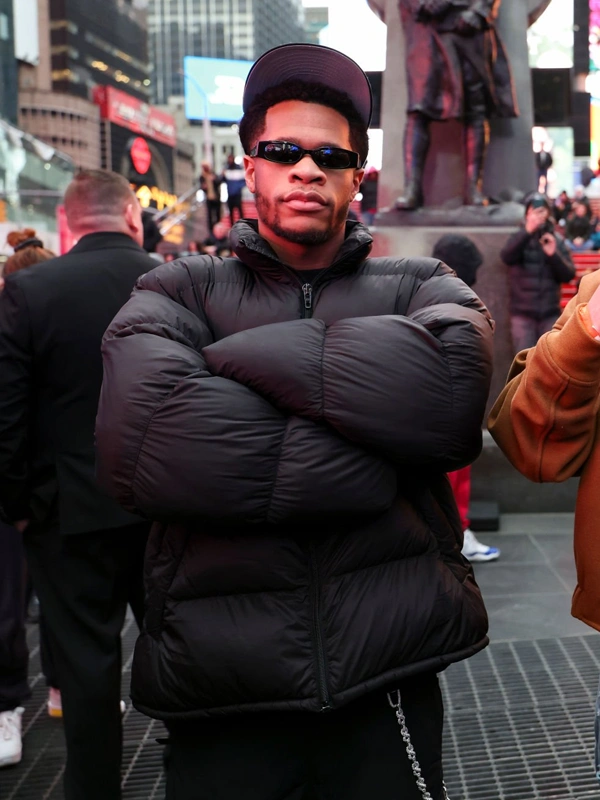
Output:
(304, 201)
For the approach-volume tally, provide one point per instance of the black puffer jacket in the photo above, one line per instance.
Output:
(535, 278)
(292, 444)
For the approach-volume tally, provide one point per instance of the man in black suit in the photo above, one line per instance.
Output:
(84, 552)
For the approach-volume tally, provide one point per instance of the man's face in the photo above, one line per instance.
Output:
(302, 203)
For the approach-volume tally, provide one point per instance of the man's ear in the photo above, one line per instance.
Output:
(357, 180)
(250, 174)
(133, 219)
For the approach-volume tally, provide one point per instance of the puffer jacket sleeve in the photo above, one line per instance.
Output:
(175, 441)
(411, 388)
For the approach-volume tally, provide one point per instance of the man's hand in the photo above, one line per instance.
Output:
(548, 242)
(22, 525)
(469, 23)
(535, 218)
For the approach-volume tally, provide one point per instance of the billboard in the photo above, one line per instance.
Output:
(216, 82)
(139, 117)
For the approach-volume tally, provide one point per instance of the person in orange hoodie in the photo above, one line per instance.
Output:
(546, 421)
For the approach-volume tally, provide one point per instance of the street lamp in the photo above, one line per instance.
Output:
(207, 131)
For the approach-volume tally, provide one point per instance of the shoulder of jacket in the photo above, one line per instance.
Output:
(176, 276)
(421, 268)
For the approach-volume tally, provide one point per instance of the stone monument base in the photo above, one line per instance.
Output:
(507, 214)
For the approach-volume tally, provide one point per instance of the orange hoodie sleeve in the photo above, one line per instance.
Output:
(546, 418)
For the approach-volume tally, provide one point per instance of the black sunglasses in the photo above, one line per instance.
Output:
(290, 153)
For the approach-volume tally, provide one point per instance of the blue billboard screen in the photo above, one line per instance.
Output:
(217, 81)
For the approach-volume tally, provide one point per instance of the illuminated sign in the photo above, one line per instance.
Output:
(140, 154)
(152, 194)
(218, 84)
(123, 109)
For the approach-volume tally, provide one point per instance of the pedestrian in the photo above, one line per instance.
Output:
(210, 183)
(288, 420)
(546, 421)
(84, 552)
(14, 655)
(463, 256)
(234, 178)
(538, 263)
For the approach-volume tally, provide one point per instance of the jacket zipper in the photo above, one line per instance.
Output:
(307, 291)
(317, 633)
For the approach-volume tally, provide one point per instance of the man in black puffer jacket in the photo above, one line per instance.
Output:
(287, 417)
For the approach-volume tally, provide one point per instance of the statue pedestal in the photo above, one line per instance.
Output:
(492, 277)
(503, 215)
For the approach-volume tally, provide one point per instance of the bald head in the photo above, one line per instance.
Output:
(99, 200)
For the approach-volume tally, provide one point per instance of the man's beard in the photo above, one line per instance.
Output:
(268, 213)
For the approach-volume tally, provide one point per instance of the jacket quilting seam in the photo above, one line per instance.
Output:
(163, 599)
(277, 465)
(450, 384)
(322, 366)
(143, 438)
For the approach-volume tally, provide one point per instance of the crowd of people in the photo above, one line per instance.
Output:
(265, 454)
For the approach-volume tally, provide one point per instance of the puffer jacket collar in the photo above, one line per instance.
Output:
(256, 253)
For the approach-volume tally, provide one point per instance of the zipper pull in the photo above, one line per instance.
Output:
(307, 291)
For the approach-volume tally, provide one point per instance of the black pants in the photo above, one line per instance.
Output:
(354, 753)
(14, 657)
(84, 583)
(213, 213)
(235, 201)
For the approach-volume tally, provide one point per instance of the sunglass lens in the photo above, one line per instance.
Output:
(332, 158)
(282, 153)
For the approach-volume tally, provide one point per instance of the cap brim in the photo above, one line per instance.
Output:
(315, 64)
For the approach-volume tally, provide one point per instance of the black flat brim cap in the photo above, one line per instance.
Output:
(312, 63)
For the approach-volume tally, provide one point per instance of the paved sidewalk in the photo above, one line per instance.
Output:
(519, 715)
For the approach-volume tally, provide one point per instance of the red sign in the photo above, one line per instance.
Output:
(141, 156)
(134, 114)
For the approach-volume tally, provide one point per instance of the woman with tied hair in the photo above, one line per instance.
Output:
(29, 250)
(14, 688)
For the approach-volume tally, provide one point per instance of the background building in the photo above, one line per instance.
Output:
(315, 19)
(8, 63)
(87, 94)
(236, 29)
(98, 42)
(33, 175)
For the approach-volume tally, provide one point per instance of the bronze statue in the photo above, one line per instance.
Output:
(456, 68)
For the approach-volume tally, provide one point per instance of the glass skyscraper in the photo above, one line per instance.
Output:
(237, 29)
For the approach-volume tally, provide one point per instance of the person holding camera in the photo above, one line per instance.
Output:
(538, 263)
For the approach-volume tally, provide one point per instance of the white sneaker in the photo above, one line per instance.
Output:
(11, 747)
(474, 550)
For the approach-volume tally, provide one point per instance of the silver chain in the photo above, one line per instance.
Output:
(410, 750)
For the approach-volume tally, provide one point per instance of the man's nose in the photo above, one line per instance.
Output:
(307, 170)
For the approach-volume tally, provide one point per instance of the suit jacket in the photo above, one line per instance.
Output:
(52, 319)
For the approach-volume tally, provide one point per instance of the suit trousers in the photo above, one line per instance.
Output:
(14, 656)
(84, 583)
(352, 753)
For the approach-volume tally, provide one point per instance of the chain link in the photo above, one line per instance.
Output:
(410, 750)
